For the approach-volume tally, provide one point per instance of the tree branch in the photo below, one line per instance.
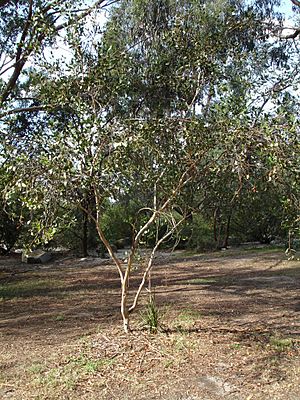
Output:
(293, 35)
(101, 234)
(85, 13)
(150, 262)
(3, 3)
(20, 59)
(24, 109)
(296, 2)
(23, 53)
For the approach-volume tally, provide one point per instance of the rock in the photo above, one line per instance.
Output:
(122, 243)
(36, 257)
(215, 385)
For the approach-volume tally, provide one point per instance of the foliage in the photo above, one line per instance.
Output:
(175, 110)
(198, 233)
(9, 232)
(260, 217)
(117, 223)
(27, 29)
(151, 316)
(11, 216)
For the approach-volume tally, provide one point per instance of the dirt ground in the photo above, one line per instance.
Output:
(229, 329)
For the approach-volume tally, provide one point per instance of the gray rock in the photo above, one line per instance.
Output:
(215, 385)
(36, 257)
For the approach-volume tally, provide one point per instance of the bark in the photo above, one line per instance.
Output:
(125, 274)
(85, 234)
(217, 227)
(124, 307)
(296, 2)
(215, 224)
(147, 271)
(227, 231)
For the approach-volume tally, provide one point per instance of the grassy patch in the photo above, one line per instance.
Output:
(186, 320)
(185, 253)
(26, 288)
(235, 346)
(59, 317)
(231, 252)
(36, 368)
(290, 271)
(87, 365)
(69, 373)
(264, 249)
(151, 316)
(202, 281)
(188, 315)
(281, 344)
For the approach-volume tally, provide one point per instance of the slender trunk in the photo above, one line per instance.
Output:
(85, 235)
(227, 230)
(149, 283)
(147, 272)
(124, 307)
(217, 227)
(218, 233)
(290, 240)
(124, 275)
(215, 224)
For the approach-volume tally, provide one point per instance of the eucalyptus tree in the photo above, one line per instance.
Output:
(94, 144)
(155, 103)
(87, 155)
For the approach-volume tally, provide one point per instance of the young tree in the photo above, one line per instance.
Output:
(161, 103)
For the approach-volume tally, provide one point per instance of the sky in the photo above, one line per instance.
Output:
(286, 7)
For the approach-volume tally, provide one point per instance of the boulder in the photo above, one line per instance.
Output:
(36, 257)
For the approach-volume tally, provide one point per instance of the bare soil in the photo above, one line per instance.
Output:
(229, 329)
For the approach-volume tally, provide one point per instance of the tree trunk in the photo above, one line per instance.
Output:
(85, 234)
(227, 231)
(215, 224)
(124, 307)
